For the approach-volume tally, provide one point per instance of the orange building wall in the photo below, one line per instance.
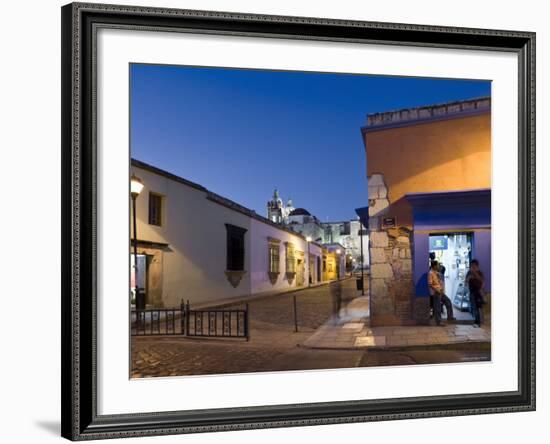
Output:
(452, 154)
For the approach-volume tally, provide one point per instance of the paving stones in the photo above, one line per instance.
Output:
(386, 338)
(344, 342)
(369, 341)
(356, 326)
(273, 341)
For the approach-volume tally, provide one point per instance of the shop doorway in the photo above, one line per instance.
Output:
(142, 265)
(454, 252)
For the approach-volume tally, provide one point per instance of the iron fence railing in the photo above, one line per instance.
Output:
(184, 321)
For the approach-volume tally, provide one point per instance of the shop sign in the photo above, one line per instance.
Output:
(438, 243)
(389, 222)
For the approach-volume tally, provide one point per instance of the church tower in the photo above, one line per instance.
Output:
(275, 207)
(277, 211)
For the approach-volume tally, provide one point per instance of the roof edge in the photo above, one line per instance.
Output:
(217, 198)
(427, 114)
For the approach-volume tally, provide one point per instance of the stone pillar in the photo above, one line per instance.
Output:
(378, 200)
(391, 281)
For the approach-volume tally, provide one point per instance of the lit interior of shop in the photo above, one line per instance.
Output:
(454, 252)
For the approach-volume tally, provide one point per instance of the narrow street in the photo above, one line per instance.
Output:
(314, 307)
(273, 341)
(274, 345)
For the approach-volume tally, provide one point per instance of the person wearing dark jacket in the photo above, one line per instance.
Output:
(475, 281)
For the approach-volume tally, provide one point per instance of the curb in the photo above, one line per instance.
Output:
(470, 345)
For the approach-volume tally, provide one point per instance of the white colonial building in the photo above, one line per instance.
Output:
(196, 245)
(345, 233)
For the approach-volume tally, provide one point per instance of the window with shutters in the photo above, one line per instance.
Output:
(273, 259)
(235, 247)
(345, 228)
(274, 255)
(290, 258)
(155, 209)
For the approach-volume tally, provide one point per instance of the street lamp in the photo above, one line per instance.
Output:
(308, 239)
(136, 185)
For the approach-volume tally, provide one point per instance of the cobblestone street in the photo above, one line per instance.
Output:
(314, 307)
(273, 342)
(274, 345)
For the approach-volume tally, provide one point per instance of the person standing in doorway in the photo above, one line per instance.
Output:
(436, 290)
(432, 258)
(445, 301)
(475, 281)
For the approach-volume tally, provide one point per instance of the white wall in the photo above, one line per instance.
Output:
(312, 229)
(30, 180)
(194, 228)
(259, 256)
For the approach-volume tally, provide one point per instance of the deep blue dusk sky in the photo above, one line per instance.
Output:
(240, 133)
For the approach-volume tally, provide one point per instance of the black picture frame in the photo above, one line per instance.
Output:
(79, 170)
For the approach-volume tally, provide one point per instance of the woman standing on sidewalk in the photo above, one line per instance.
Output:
(475, 281)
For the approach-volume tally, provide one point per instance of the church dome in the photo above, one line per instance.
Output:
(300, 212)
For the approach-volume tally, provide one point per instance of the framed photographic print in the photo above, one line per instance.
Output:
(280, 221)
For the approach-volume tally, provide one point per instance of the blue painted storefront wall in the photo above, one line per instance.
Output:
(482, 252)
(442, 215)
(450, 212)
(421, 250)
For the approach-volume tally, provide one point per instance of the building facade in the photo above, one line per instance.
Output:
(345, 233)
(196, 245)
(429, 185)
(348, 235)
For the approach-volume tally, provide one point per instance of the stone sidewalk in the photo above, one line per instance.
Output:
(352, 332)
